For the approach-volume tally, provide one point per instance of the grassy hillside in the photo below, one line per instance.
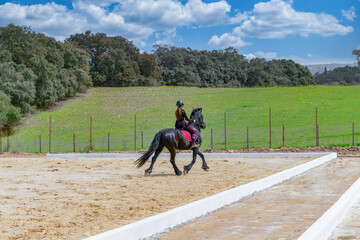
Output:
(113, 111)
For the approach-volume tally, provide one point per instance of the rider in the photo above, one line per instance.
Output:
(182, 124)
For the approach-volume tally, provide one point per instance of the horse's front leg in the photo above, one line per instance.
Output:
(188, 167)
(204, 166)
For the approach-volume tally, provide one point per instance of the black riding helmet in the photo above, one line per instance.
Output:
(179, 103)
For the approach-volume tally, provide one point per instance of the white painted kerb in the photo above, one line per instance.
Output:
(182, 155)
(169, 219)
(323, 227)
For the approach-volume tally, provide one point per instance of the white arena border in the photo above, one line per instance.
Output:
(182, 155)
(324, 226)
(164, 221)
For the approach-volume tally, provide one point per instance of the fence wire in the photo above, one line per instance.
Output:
(239, 133)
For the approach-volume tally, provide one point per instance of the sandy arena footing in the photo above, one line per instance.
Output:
(53, 198)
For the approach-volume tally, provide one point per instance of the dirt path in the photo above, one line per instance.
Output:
(282, 212)
(72, 199)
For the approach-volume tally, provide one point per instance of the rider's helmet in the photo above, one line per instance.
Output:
(179, 103)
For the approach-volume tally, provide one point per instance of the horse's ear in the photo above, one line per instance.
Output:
(200, 109)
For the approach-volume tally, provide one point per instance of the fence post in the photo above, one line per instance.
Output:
(353, 135)
(74, 144)
(8, 144)
(135, 133)
(317, 136)
(247, 138)
(40, 143)
(212, 140)
(50, 136)
(91, 143)
(270, 127)
(283, 136)
(225, 127)
(317, 133)
(1, 150)
(108, 142)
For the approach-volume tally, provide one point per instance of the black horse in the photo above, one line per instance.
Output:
(174, 139)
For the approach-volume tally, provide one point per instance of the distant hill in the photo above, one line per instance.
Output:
(319, 68)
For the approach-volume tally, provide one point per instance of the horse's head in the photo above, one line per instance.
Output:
(198, 117)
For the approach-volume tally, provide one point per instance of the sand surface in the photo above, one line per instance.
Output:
(44, 198)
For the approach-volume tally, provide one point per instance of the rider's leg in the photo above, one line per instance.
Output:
(193, 136)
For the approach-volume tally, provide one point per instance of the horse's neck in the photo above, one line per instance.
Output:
(195, 126)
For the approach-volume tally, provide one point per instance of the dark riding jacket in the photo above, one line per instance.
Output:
(180, 123)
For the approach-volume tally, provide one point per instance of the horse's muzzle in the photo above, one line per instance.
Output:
(203, 125)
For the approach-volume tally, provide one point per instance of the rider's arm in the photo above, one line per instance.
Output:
(185, 116)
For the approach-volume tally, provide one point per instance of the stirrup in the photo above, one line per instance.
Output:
(194, 145)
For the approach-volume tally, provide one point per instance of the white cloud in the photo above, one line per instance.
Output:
(238, 18)
(207, 14)
(250, 56)
(268, 55)
(277, 19)
(136, 20)
(166, 14)
(166, 37)
(261, 54)
(98, 19)
(226, 40)
(349, 14)
(51, 18)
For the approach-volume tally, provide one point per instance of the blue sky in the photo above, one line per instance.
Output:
(307, 31)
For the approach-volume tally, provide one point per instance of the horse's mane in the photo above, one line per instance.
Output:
(194, 111)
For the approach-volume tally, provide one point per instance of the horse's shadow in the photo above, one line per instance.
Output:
(161, 175)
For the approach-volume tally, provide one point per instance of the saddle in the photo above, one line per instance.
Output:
(186, 135)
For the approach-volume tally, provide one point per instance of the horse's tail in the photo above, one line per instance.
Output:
(154, 145)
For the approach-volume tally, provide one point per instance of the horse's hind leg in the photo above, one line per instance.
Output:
(204, 166)
(153, 160)
(188, 167)
(172, 160)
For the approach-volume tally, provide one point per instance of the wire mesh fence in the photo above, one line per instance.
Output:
(233, 134)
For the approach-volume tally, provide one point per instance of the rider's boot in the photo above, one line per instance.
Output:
(194, 145)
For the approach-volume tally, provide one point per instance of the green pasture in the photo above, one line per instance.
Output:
(113, 112)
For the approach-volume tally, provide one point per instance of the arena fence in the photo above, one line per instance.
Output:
(230, 136)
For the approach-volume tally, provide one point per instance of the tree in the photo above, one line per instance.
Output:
(9, 114)
(339, 76)
(115, 61)
(357, 53)
(226, 68)
(36, 71)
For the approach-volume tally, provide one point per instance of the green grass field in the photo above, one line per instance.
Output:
(113, 111)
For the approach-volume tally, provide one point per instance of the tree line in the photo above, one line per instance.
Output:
(342, 75)
(36, 71)
(226, 68)
(116, 61)
(339, 76)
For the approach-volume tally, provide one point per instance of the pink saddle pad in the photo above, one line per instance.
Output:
(187, 135)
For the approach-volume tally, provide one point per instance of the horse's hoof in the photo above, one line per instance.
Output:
(179, 173)
(206, 168)
(147, 174)
(185, 171)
